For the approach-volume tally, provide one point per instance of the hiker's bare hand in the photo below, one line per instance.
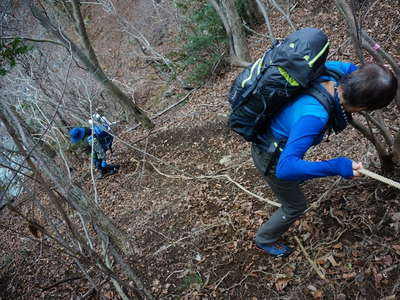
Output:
(356, 166)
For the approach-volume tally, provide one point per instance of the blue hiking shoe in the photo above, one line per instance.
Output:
(275, 249)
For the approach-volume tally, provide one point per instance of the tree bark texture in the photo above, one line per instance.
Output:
(75, 196)
(349, 17)
(227, 12)
(254, 13)
(264, 11)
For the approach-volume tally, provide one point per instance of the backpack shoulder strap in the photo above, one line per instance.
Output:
(319, 93)
(335, 74)
(326, 100)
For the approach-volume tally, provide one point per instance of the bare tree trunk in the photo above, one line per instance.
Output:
(385, 157)
(254, 12)
(90, 61)
(264, 12)
(239, 52)
(81, 29)
(347, 13)
(75, 196)
(362, 40)
(76, 199)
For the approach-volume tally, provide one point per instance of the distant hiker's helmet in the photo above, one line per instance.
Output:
(76, 134)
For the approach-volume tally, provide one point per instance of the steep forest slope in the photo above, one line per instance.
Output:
(183, 191)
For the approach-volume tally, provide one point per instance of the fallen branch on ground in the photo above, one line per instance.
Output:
(217, 177)
(61, 282)
(312, 263)
(324, 195)
(167, 109)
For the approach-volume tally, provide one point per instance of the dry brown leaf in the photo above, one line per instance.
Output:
(109, 295)
(341, 297)
(318, 294)
(396, 248)
(321, 260)
(349, 275)
(338, 246)
(289, 269)
(261, 213)
(378, 278)
(387, 260)
(281, 283)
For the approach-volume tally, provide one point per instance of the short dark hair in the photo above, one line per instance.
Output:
(372, 86)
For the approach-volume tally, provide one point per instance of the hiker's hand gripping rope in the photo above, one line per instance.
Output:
(356, 167)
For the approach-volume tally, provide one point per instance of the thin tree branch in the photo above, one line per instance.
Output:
(312, 263)
(382, 128)
(31, 39)
(77, 277)
(390, 59)
(17, 171)
(346, 12)
(369, 135)
(264, 12)
(286, 16)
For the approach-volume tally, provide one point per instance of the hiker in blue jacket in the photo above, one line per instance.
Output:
(101, 141)
(302, 124)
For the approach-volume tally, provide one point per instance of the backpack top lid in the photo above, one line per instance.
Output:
(99, 130)
(302, 54)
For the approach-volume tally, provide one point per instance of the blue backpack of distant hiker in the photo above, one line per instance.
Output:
(105, 139)
(285, 71)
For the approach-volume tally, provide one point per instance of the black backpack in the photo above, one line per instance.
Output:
(105, 139)
(286, 70)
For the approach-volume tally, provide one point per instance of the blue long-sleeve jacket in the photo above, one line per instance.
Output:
(302, 123)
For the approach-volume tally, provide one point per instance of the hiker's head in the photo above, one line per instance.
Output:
(78, 134)
(369, 88)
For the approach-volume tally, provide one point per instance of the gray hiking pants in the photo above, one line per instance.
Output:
(288, 193)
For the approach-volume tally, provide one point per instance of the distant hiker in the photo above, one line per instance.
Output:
(101, 142)
(283, 117)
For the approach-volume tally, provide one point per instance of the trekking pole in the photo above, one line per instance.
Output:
(379, 177)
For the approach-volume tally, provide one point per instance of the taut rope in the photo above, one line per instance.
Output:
(379, 177)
